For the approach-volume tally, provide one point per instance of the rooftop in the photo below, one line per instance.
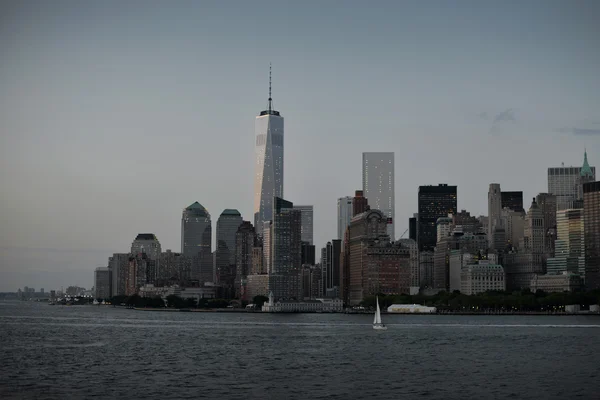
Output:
(231, 211)
(146, 236)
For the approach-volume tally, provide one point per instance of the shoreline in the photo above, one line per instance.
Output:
(474, 313)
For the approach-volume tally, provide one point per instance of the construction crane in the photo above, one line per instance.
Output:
(403, 234)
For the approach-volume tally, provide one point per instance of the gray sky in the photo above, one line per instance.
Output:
(114, 116)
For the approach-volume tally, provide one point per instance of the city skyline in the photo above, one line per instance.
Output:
(104, 137)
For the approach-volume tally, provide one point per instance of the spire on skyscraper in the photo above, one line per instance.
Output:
(270, 110)
(585, 169)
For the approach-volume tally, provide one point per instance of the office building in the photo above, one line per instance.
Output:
(547, 204)
(565, 183)
(285, 276)
(330, 264)
(360, 203)
(308, 253)
(306, 229)
(225, 264)
(482, 277)
(512, 201)
(412, 227)
(344, 215)
(570, 243)
(434, 202)
(268, 151)
(245, 241)
(196, 241)
(102, 283)
(378, 185)
(494, 209)
(591, 212)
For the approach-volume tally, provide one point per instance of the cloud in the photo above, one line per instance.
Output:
(505, 116)
(483, 115)
(580, 131)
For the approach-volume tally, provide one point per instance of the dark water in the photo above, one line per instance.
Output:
(58, 352)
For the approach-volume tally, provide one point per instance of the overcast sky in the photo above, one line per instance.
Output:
(115, 115)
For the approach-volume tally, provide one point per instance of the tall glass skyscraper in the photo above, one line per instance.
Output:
(227, 226)
(268, 149)
(196, 236)
(307, 223)
(378, 185)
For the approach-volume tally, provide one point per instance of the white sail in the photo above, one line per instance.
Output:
(378, 314)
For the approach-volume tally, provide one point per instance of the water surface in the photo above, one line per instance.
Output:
(51, 352)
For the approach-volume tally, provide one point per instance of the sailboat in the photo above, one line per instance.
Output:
(377, 321)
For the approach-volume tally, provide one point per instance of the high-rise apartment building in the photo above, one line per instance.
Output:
(306, 230)
(565, 183)
(344, 215)
(225, 266)
(378, 185)
(196, 241)
(434, 202)
(591, 211)
(268, 150)
(285, 276)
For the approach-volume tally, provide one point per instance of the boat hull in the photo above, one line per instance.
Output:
(379, 327)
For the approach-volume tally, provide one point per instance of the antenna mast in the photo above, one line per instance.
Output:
(270, 98)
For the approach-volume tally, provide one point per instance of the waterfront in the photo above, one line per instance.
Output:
(105, 352)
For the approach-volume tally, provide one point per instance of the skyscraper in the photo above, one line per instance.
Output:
(434, 202)
(227, 226)
(591, 211)
(344, 215)
(307, 223)
(286, 251)
(565, 183)
(494, 211)
(268, 150)
(512, 200)
(244, 248)
(196, 241)
(360, 203)
(378, 185)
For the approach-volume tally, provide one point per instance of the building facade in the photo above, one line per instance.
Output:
(565, 183)
(360, 203)
(494, 210)
(434, 202)
(196, 241)
(307, 215)
(512, 201)
(344, 215)
(285, 276)
(570, 243)
(225, 254)
(591, 211)
(245, 241)
(102, 283)
(482, 277)
(378, 185)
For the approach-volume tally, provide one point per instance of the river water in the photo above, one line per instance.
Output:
(62, 352)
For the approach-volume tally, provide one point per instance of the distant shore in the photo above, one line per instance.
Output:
(440, 313)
